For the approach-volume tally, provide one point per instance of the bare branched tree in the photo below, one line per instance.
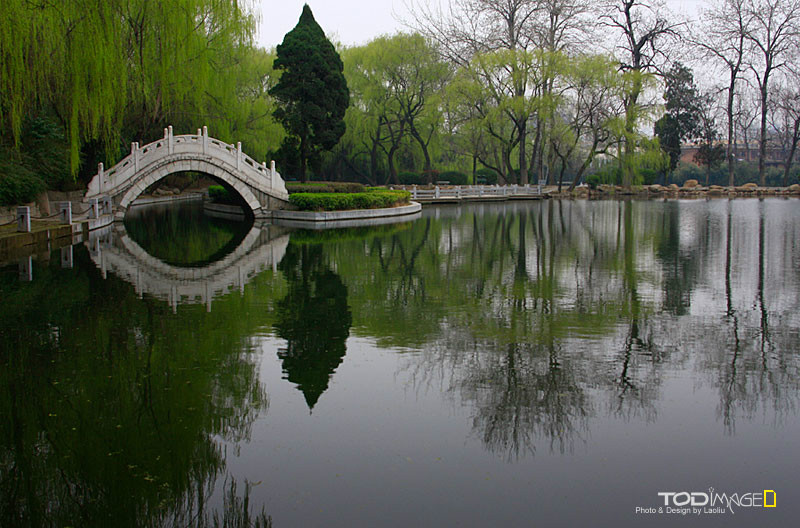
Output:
(773, 32)
(646, 33)
(721, 37)
(786, 120)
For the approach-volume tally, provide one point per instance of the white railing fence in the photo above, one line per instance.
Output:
(476, 191)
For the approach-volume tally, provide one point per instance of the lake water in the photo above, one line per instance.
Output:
(521, 364)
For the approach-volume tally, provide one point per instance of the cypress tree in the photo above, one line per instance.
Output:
(312, 92)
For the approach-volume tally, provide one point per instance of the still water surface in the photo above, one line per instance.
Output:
(524, 364)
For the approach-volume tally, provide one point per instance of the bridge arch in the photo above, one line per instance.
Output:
(261, 187)
(174, 164)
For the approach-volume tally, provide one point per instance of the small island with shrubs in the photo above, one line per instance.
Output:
(342, 196)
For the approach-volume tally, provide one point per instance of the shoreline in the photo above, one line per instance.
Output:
(748, 190)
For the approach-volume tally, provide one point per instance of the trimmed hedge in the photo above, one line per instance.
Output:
(411, 178)
(487, 176)
(324, 187)
(221, 195)
(454, 177)
(374, 198)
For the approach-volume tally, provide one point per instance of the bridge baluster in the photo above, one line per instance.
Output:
(135, 155)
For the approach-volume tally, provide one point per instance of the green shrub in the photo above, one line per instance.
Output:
(686, 171)
(223, 195)
(608, 175)
(454, 177)
(324, 187)
(431, 176)
(370, 199)
(486, 176)
(649, 176)
(18, 185)
(411, 178)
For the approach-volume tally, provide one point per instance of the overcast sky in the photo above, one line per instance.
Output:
(359, 21)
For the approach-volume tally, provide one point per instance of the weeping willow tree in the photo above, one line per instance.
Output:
(115, 70)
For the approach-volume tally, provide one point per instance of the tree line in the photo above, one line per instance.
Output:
(511, 91)
(534, 89)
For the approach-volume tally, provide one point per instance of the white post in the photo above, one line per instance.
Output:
(414, 192)
(170, 139)
(107, 206)
(238, 155)
(135, 154)
(101, 176)
(24, 219)
(65, 208)
(205, 139)
(436, 193)
(272, 169)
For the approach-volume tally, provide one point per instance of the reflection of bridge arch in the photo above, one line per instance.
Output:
(263, 247)
(261, 187)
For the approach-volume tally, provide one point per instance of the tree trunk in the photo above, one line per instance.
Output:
(630, 123)
(729, 154)
(792, 149)
(762, 144)
(523, 161)
(303, 158)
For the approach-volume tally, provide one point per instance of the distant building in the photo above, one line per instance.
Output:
(742, 152)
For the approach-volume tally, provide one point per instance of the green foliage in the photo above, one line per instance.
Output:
(744, 172)
(312, 92)
(454, 177)
(371, 199)
(325, 187)
(486, 176)
(223, 195)
(39, 164)
(115, 71)
(412, 178)
(18, 185)
(610, 174)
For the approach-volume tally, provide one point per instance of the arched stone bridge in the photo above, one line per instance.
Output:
(260, 186)
(262, 248)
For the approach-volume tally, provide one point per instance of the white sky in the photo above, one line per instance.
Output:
(359, 21)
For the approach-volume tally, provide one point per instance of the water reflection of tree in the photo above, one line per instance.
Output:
(598, 299)
(313, 318)
(526, 392)
(115, 406)
(761, 368)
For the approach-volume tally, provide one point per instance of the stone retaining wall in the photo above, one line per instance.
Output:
(690, 190)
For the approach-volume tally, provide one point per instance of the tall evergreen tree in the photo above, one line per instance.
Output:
(681, 120)
(312, 92)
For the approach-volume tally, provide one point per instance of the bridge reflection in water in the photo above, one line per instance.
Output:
(113, 249)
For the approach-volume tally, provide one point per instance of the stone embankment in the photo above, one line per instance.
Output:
(690, 189)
